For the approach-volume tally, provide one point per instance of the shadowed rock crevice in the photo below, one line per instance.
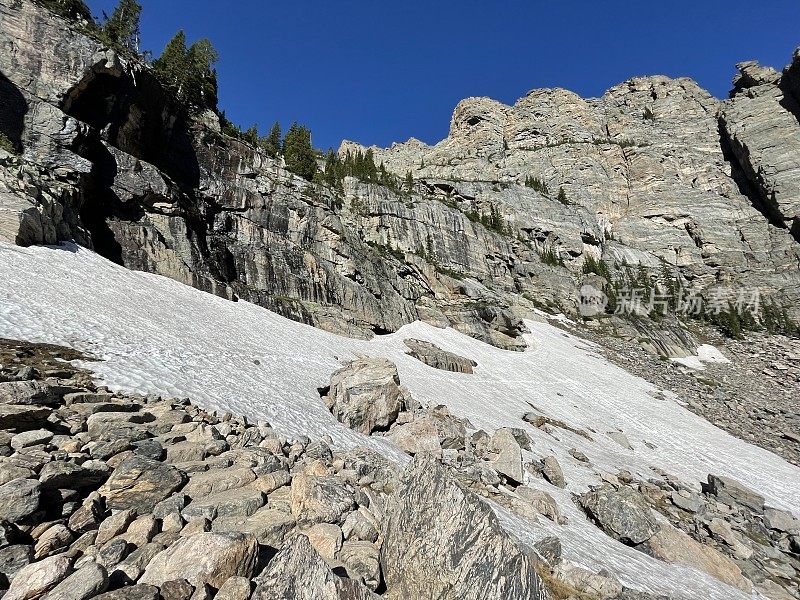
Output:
(12, 111)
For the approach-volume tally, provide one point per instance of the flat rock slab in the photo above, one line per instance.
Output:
(140, 484)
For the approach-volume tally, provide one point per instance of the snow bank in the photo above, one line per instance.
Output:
(155, 335)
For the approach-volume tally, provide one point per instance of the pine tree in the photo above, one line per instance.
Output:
(189, 71)
(409, 182)
(272, 143)
(121, 29)
(202, 78)
(171, 66)
(562, 196)
(299, 153)
(251, 135)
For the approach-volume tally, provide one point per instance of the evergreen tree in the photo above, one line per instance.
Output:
(562, 196)
(299, 153)
(409, 182)
(121, 29)
(189, 71)
(251, 135)
(272, 143)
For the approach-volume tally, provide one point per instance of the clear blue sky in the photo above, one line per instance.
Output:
(378, 71)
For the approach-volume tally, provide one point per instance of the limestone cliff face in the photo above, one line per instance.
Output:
(107, 159)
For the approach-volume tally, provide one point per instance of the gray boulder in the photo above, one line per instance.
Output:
(731, 492)
(86, 582)
(139, 484)
(36, 579)
(475, 559)
(297, 572)
(365, 395)
(435, 357)
(509, 455)
(622, 513)
(19, 498)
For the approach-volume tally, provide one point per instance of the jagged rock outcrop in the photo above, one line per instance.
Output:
(475, 558)
(761, 123)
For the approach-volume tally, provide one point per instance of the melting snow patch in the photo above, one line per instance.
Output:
(706, 353)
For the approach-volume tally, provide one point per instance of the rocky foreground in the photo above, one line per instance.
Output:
(113, 496)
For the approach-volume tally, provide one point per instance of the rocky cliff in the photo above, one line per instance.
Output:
(655, 173)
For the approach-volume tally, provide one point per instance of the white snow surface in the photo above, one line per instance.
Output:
(154, 335)
(706, 353)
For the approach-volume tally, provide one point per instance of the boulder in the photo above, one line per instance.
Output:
(19, 499)
(235, 588)
(134, 592)
(365, 394)
(139, 484)
(326, 539)
(781, 520)
(204, 558)
(420, 435)
(474, 558)
(230, 503)
(601, 585)
(22, 416)
(317, 499)
(269, 526)
(552, 472)
(298, 572)
(435, 357)
(86, 582)
(30, 393)
(36, 579)
(509, 455)
(362, 561)
(622, 513)
(34, 437)
(12, 559)
(542, 502)
(674, 546)
(201, 485)
(732, 492)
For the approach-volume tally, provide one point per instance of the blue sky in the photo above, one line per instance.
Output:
(378, 71)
